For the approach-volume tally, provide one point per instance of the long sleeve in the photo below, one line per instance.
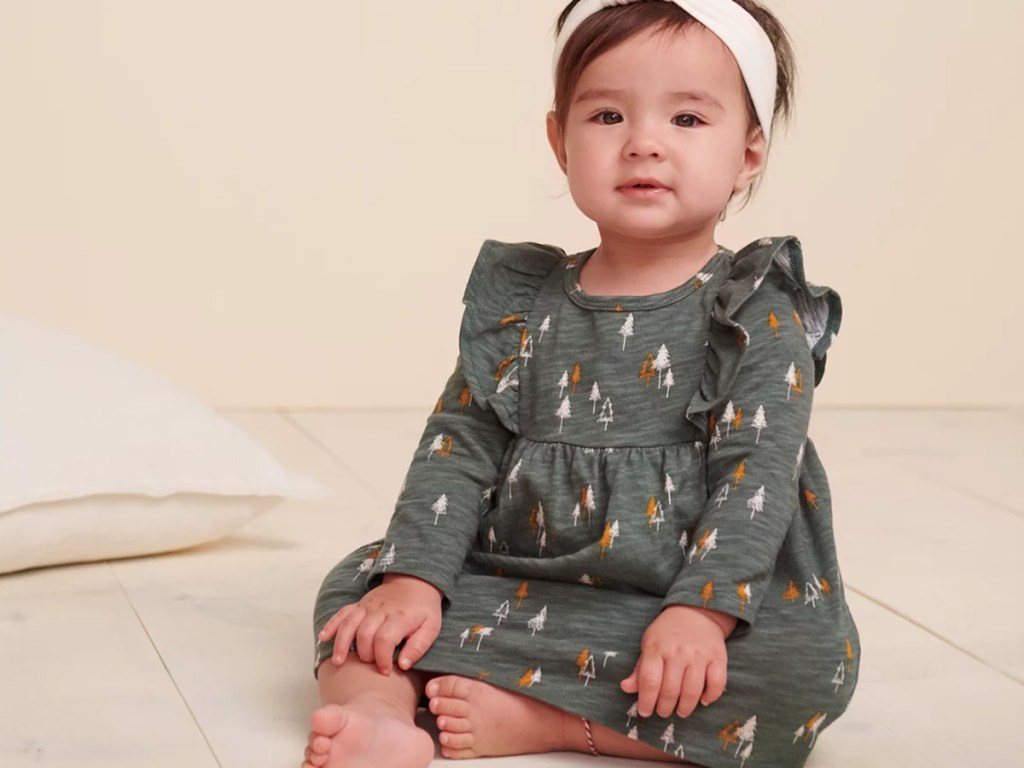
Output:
(757, 438)
(457, 461)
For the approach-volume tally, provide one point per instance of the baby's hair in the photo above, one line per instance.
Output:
(615, 25)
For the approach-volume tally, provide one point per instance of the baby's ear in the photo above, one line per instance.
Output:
(754, 157)
(556, 142)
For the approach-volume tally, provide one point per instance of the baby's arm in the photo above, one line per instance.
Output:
(753, 490)
(435, 521)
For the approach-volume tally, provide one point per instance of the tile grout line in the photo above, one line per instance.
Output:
(969, 494)
(286, 415)
(163, 663)
(936, 635)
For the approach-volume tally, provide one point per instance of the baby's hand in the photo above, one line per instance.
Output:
(682, 660)
(402, 607)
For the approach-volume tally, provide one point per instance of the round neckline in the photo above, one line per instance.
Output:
(623, 303)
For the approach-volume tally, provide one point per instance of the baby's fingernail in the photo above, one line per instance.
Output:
(337, 659)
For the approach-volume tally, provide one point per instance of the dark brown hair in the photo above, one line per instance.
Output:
(613, 26)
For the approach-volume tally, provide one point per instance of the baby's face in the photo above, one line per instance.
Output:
(670, 107)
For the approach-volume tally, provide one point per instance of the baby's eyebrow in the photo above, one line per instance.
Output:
(596, 94)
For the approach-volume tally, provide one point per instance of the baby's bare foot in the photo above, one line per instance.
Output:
(366, 734)
(479, 720)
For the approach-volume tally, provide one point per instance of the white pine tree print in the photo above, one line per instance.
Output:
(723, 495)
(670, 381)
(669, 735)
(746, 735)
(364, 567)
(440, 507)
(526, 351)
(669, 487)
(679, 752)
(543, 541)
(633, 734)
(595, 396)
(706, 543)
(513, 476)
(705, 277)
(589, 504)
(626, 330)
(799, 460)
(659, 516)
(662, 362)
(608, 655)
(540, 520)
(790, 379)
(839, 678)
(812, 592)
(536, 677)
(463, 637)
(492, 539)
(435, 446)
(633, 711)
(716, 438)
(481, 634)
(614, 532)
(488, 493)
(544, 328)
(503, 611)
(563, 383)
(537, 622)
(756, 502)
(798, 733)
(607, 413)
(575, 515)
(747, 751)
(590, 671)
(388, 559)
(727, 416)
(759, 423)
(564, 412)
(683, 541)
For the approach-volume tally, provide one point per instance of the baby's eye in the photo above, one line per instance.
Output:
(687, 121)
(599, 117)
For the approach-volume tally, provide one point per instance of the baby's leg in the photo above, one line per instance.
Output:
(366, 720)
(479, 720)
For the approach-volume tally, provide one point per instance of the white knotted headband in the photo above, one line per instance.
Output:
(735, 27)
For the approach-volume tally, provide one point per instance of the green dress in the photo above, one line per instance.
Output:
(594, 459)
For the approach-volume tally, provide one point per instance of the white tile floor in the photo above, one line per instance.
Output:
(202, 658)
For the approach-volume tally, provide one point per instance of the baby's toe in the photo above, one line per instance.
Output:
(451, 707)
(454, 724)
(451, 687)
(456, 740)
(329, 720)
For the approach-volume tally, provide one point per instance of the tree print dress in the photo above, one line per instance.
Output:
(594, 459)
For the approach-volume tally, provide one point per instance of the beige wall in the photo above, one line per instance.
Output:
(277, 203)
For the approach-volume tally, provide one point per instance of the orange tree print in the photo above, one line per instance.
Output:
(740, 473)
(730, 734)
(708, 593)
(522, 593)
(647, 370)
(791, 593)
(465, 399)
(576, 377)
(811, 498)
(773, 323)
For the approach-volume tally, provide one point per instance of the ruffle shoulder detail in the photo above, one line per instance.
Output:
(769, 264)
(501, 291)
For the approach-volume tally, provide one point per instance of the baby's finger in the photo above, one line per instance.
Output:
(649, 677)
(630, 684)
(692, 688)
(346, 633)
(671, 683)
(715, 684)
(365, 635)
(419, 642)
(387, 637)
(331, 626)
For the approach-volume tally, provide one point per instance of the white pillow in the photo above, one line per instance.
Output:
(100, 458)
